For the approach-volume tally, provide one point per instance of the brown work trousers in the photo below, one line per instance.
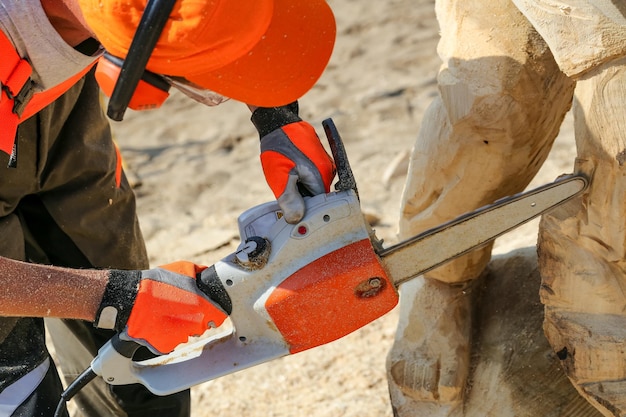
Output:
(67, 203)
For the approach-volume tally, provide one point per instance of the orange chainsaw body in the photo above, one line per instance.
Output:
(331, 297)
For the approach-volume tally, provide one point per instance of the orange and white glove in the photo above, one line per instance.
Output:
(162, 307)
(294, 161)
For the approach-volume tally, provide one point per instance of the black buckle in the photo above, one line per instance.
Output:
(21, 100)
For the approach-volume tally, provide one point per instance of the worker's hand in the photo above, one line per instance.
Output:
(160, 307)
(294, 161)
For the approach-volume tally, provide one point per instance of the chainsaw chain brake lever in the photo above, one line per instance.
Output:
(346, 180)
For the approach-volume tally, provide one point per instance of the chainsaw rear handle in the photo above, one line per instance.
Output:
(115, 360)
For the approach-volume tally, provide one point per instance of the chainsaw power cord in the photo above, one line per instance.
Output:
(76, 385)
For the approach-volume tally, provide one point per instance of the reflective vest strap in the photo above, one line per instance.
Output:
(10, 58)
(14, 74)
(42, 99)
(8, 130)
(17, 103)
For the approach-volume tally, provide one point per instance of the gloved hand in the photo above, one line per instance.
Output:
(294, 161)
(161, 307)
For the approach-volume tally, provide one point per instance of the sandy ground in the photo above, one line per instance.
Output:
(195, 169)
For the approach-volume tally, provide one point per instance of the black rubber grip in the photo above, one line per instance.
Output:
(210, 284)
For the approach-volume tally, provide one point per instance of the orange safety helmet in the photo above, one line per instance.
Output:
(261, 52)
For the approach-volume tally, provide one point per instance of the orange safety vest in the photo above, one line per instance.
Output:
(18, 101)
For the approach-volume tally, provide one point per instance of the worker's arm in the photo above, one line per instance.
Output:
(31, 290)
(160, 307)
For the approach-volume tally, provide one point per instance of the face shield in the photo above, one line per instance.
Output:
(195, 92)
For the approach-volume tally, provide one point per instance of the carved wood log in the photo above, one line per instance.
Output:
(515, 372)
(582, 34)
(583, 250)
(484, 137)
(487, 134)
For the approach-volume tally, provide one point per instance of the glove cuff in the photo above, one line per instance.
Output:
(118, 299)
(268, 119)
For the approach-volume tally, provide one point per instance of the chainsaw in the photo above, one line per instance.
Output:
(292, 287)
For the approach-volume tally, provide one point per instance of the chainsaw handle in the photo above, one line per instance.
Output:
(114, 359)
(210, 284)
(187, 366)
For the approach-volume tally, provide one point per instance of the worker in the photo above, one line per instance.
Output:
(65, 200)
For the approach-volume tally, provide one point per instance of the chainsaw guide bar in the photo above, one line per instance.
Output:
(436, 246)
